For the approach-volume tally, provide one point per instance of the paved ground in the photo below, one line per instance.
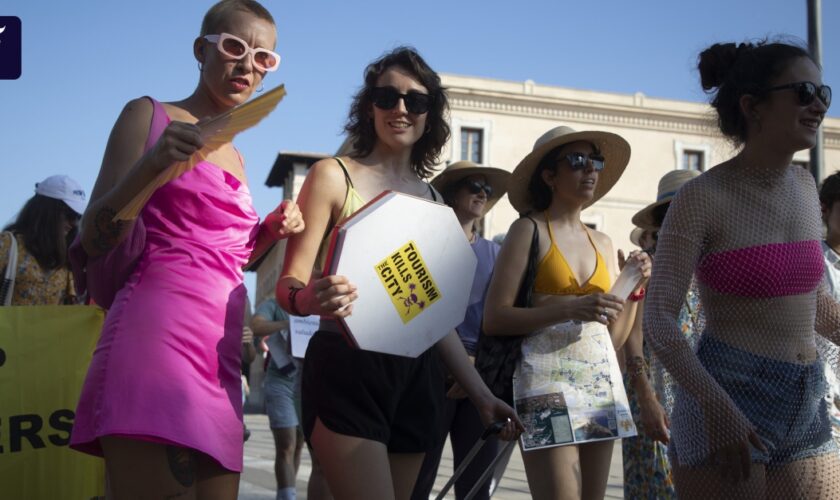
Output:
(258, 478)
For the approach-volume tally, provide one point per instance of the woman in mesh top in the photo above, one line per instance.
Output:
(749, 419)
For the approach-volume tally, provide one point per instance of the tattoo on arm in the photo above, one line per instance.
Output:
(182, 465)
(107, 230)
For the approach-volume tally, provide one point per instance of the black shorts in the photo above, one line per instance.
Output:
(391, 399)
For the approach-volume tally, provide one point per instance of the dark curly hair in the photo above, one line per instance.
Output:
(426, 151)
(729, 71)
(41, 223)
(830, 190)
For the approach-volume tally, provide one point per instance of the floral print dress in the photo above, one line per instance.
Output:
(34, 285)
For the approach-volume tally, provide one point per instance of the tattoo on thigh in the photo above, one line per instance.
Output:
(107, 230)
(182, 465)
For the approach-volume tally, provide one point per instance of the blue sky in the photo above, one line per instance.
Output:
(83, 60)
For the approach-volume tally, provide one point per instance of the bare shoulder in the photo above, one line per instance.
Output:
(137, 112)
(327, 171)
(602, 240)
(522, 228)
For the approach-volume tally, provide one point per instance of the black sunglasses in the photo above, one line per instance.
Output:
(806, 92)
(476, 187)
(580, 161)
(386, 98)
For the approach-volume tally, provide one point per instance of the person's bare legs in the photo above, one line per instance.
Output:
(317, 487)
(595, 461)
(707, 483)
(355, 468)
(145, 470)
(569, 472)
(810, 478)
(287, 447)
(553, 473)
(405, 467)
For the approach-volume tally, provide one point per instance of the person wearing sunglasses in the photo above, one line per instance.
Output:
(471, 190)
(750, 418)
(370, 417)
(162, 397)
(566, 172)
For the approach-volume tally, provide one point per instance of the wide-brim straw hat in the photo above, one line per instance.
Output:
(613, 147)
(669, 184)
(496, 178)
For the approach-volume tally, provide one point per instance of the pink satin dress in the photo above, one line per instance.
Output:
(166, 368)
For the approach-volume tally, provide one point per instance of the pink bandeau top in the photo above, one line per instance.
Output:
(771, 270)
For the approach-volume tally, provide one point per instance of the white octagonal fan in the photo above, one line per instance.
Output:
(414, 270)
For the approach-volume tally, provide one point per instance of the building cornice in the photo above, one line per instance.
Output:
(598, 108)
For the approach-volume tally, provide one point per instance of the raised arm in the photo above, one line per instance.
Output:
(126, 170)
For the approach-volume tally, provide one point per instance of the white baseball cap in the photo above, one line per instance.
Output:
(65, 189)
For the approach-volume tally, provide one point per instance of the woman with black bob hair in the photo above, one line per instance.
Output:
(371, 417)
(750, 417)
(43, 230)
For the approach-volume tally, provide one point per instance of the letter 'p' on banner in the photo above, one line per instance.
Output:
(44, 355)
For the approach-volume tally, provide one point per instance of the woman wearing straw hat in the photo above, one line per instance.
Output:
(647, 473)
(566, 172)
(471, 191)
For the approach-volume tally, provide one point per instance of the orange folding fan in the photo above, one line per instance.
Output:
(216, 132)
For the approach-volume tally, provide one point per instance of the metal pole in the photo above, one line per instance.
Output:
(815, 47)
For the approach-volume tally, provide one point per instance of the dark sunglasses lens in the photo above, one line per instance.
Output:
(597, 162)
(385, 98)
(417, 103)
(825, 95)
(806, 91)
(577, 161)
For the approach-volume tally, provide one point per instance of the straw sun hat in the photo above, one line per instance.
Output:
(495, 177)
(669, 184)
(614, 148)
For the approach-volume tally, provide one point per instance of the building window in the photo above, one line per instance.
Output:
(471, 144)
(693, 160)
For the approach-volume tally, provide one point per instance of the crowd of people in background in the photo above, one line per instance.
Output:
(727, 345)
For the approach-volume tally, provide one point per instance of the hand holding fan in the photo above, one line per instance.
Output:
(216, 132)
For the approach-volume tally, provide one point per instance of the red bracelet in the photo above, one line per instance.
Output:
(293, 291)
(637, 296)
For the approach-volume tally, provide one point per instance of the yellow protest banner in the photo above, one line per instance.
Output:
(408, 281)
(44, 355)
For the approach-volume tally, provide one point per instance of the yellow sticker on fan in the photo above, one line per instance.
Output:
(408, 281)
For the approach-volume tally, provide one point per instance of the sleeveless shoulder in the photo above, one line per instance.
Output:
(160, 119)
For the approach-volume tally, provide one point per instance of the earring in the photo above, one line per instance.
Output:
(200, 67)
(261, 87)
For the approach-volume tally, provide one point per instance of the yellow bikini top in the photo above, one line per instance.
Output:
(555, 277)
(353, 201)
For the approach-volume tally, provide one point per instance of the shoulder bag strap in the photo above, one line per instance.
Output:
(523, 298)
